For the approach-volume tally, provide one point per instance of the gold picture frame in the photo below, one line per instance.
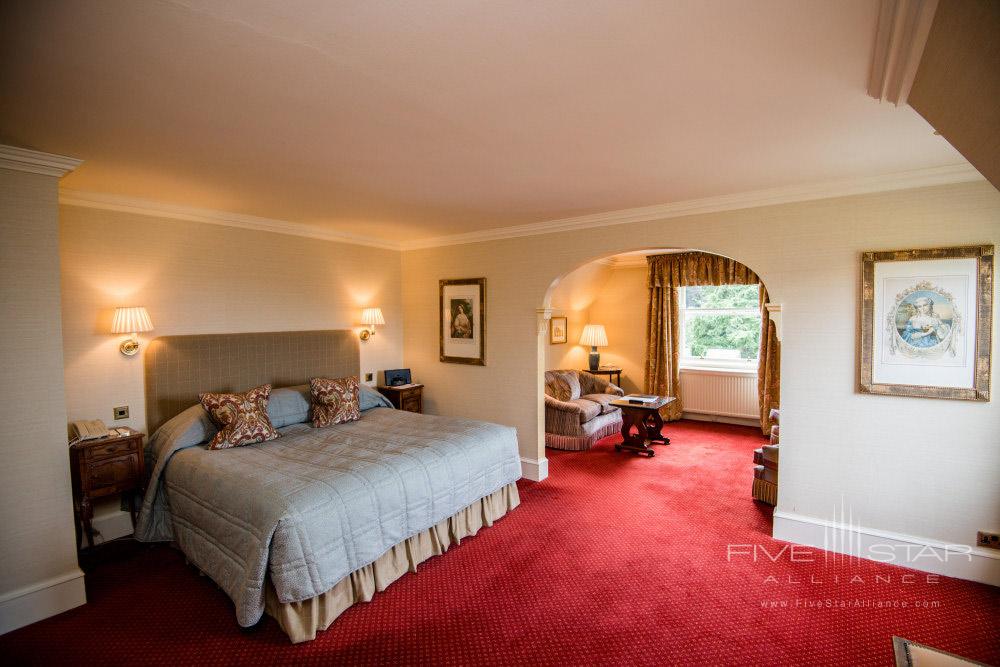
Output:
(927, 322)
(558, 331)
(462, 321)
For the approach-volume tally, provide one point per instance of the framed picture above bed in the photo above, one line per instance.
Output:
(463, 321)
(927, 322)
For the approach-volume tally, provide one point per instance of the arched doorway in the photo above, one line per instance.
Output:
(716, 341)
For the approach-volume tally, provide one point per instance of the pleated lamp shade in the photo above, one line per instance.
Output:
(372, 316)
(132, 319)
(594, 335)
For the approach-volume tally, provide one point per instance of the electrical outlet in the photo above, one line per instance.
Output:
(369, 377)
(121, 412)
(988, 540)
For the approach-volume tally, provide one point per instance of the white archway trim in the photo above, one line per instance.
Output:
(538, 469)
(544, 315)
(534, 469)
(774, 312)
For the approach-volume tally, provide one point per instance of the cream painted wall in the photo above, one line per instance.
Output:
(38, 570)
(914, 466)
(621, 308)
(572, 298)
(199, 278)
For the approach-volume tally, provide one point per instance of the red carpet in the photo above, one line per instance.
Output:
(616, 559)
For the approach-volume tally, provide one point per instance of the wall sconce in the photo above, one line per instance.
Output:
(370, 317)
(131, 320)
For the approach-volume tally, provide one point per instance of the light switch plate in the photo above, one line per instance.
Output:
(121, 412)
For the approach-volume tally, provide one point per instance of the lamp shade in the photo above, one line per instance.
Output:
(372, 316)
(594, 335)
(132, 319)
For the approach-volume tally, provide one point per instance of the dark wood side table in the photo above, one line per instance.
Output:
(102, 467)
(648, 425)
(408, 397)
(610, 372)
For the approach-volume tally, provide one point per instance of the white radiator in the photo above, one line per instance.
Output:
(718, 393)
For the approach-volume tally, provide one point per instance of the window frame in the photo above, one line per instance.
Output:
(698, 363)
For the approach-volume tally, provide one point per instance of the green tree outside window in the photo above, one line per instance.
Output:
(738, 331)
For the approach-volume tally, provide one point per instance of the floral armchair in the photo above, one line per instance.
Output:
(578, 410)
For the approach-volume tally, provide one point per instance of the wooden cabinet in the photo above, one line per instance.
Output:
(101, 468)
(409, 398)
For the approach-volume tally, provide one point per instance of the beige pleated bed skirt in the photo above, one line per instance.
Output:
(301, 620)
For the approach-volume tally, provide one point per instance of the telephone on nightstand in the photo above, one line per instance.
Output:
(89, 429)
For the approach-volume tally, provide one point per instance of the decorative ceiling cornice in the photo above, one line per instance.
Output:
(917, 178)
(36, 162)
(899, 181)
(900, 38)
(212, 217)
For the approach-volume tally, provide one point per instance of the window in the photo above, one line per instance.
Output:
(720, 326)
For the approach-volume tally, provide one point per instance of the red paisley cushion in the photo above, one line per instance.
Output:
(242, 418)
(335, 401)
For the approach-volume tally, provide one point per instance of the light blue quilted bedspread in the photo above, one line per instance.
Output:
(316, 504)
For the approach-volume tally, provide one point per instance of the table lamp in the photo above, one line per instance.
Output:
(594, 336)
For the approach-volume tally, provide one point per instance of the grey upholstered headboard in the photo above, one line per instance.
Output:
(178, 368)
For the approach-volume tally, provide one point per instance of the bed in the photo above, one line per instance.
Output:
(304, 526)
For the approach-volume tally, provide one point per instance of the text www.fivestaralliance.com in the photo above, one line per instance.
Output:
(849, 603)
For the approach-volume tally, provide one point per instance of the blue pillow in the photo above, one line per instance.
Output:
(369, 398)
(289, 405)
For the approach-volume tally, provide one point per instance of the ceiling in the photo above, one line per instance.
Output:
(406, 121)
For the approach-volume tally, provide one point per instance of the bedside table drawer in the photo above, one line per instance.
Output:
(408, 399)
(107, 475)
(111, 449)
(104, 467)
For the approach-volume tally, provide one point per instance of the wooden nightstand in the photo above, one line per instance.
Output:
(409, 397)
(103, 467)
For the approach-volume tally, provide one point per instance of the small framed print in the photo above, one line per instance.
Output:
(927, 322)
(557, 330)
(463, 321)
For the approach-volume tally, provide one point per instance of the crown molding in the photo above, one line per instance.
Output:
(898, 181)
(900, 38)
(213, 217)
(36, 162)
(917, 178)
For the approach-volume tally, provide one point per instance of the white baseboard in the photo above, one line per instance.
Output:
(46, 598)
(534, 469)
(920, 553)
(725, 419)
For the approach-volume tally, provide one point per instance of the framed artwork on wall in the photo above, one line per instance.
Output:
(463, 321)
(927, 322)
(557, 330)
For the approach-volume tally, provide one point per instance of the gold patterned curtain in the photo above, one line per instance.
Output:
(768, 366)
(665, 274)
